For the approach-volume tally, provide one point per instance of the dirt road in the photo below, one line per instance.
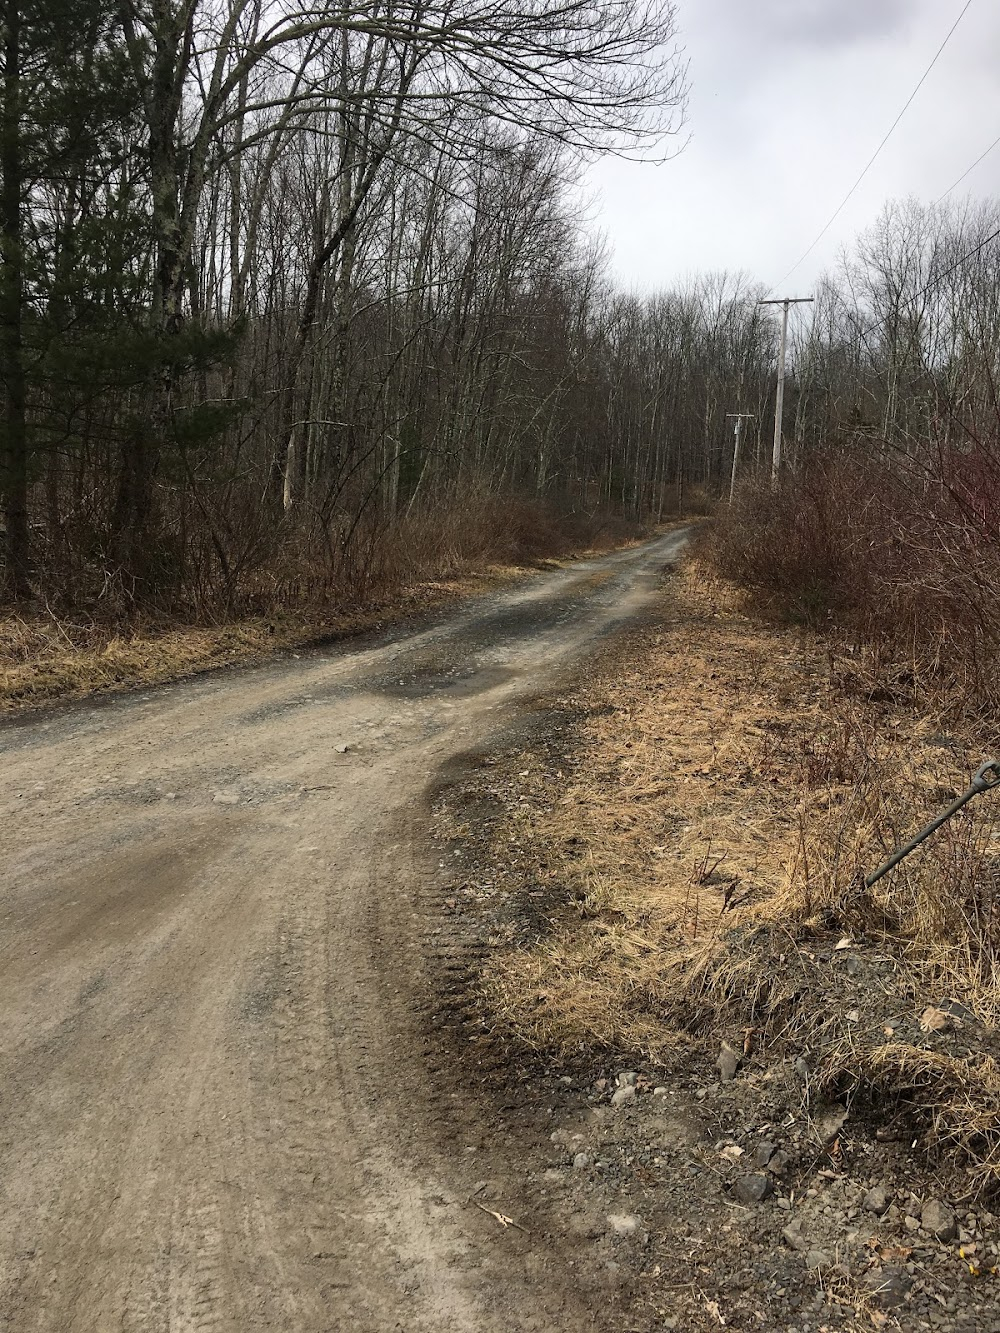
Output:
(216, 1110)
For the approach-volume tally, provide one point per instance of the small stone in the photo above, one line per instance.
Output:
(581, 1161)
(763, 1153)
(937, 1218)
(727, 1063)
(792, 1236)
(779, 1163)
(661, 1092)
(752, 1189)
(877, 1200)
(911, 1223)
(955, 1009)
(802, 1069)
(888, 1286)
(225, 798)
(629, 1079)
(342, 749)
(624, 1224)
(624, 1096)
(830, 1121)
(817, 1259)
(784, 1204)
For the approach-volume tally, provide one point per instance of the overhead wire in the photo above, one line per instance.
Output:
(871, 161)
(968, 170)
(864, 330)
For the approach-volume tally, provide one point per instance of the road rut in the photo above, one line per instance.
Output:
(214, 1110)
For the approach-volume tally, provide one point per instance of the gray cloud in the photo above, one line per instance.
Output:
(824, 22)
(789, 99)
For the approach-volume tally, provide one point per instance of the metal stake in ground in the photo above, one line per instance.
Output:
(986, 777)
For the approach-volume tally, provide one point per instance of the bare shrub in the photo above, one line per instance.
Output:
(900, 557)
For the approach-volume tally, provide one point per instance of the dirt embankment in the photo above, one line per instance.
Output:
(782, 1087)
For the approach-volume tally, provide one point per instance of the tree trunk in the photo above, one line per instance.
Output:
(133, 518)
(14, 456)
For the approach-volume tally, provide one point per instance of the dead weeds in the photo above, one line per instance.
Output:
(734, 781)
(45, 657)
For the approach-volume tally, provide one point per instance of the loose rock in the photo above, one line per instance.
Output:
(779, 1162)
(624, 1096)
(830, 1121)
(888, 1286)
(752, 1189)
(937, 1218)
(955, 1009)
(727, 1063)
(763, 1153)
(624, 1224)
(877, 1200)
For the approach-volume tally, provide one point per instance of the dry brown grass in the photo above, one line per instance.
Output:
(735, 783)
(449, 547)
(44, 658)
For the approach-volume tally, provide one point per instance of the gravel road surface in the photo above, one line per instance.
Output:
(214, 1109)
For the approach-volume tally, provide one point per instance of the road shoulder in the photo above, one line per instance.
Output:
(620, 862)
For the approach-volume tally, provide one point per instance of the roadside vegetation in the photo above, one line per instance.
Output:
(295, 301)
(54, 653)
(823, 682)
(668, 876)
(731, 786)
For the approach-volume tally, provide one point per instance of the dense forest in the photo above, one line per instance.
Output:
(279, 279)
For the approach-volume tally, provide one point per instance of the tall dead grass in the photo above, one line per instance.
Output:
(736, 782)
(897, 562)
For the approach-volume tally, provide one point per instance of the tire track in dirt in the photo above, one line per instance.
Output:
(216, 1110)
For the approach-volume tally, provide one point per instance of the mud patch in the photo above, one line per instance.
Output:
(458, 682)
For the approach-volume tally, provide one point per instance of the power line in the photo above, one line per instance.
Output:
(957, 264)
(864, 330)
(968, 170)
(871, 161)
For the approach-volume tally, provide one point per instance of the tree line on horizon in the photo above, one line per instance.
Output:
(275, 278)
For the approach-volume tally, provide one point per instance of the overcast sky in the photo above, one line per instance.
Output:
(789, 98)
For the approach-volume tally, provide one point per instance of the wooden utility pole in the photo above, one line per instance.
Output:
(738, 419)
(779, 401)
